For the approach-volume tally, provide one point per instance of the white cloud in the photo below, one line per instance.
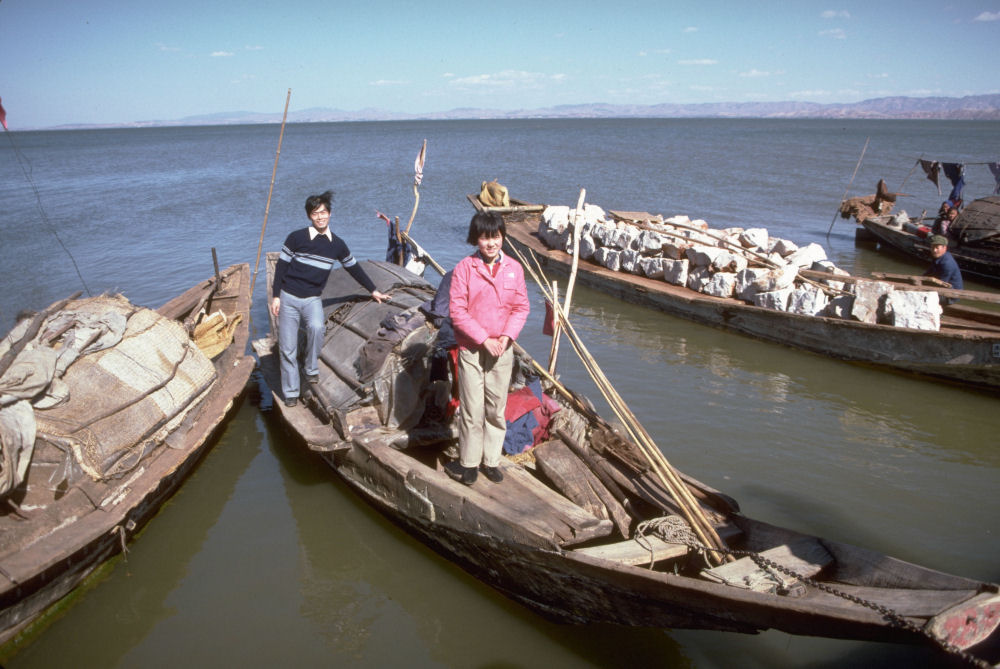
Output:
(221, 54)
(387, 82)
(754, 73)
(655, 52)
(164, 47)
(988, 16)
(836, 14)
(507, 79)
(881, 75)
(690, 29)
(836, 33)
(253, 48)
(699, 61)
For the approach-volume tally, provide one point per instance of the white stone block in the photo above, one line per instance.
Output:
(721, 284)
(610, 258)
(782, 247)
(698, 278)
(870, 301)
(675, 271)
(775, 299)
(807, 300)
(754, 238)
(652, 267)
(749, 281)
(919, 309)
(630, 261)
(840, 307)
(703, 256)
(806, 255)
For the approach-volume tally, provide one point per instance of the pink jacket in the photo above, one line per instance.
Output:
(482, 306)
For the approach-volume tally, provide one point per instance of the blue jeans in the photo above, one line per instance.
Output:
(309, 312)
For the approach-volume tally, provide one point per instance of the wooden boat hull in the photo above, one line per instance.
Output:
(38, 575)
(531, 543)
(981, 260)
(962, 355)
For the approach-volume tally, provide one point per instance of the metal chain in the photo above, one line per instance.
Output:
(674, 529)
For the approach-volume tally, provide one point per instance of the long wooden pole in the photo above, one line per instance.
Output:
(848, 189)
(267, 207)
(557, 329)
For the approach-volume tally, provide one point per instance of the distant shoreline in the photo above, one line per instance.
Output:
(969, 108)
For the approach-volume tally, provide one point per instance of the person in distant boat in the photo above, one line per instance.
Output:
(944, 266)
(305, 262)
(946, 216)
(488, 305)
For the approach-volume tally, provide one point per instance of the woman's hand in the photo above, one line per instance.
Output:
(378, 297)
(275, 305)
(495, 346)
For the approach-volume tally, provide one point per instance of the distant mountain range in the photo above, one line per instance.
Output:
(973, 107)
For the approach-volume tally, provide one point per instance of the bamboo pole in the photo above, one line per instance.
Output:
(554, 346)
(557, 330)
(848, 189)
(267, 207)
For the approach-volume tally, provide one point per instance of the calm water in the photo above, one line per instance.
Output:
(264, 558)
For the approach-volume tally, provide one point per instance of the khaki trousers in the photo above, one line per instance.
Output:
(483, 382)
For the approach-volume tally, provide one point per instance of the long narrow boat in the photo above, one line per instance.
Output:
(106, 409)
(965, 350)
(973, 239)
(581, 529)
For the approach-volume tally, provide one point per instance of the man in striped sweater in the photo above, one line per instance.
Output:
(303, 267)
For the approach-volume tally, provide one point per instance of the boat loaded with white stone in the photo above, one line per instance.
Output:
(589, 525)
(745, 281)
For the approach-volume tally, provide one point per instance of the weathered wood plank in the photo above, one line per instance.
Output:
(575, 480)
(631, 552)
(805, 557)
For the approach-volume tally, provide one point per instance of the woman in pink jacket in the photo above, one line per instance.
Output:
(488, 308)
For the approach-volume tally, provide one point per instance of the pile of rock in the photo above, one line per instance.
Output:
(746, 264)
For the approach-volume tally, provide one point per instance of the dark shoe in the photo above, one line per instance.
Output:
(291, 401)
(466, 475)
(492, 473)
(312, 378)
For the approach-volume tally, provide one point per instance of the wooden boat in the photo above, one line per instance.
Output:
(558, 534)
(134, 419)
(965, 350)
(973, 239)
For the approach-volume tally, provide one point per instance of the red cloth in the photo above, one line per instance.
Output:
(549, 325)
(519, 403)
(3, 117)
(453, 402)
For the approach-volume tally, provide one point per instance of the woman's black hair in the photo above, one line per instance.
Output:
(314, 201)
(485, 223)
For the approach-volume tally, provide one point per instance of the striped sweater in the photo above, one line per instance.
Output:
(305, 262)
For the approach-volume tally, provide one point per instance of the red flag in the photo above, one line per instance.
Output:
(3, 117)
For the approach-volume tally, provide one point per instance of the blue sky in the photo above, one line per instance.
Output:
(102, 61)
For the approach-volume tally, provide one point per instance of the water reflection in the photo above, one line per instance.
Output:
(135, 595)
